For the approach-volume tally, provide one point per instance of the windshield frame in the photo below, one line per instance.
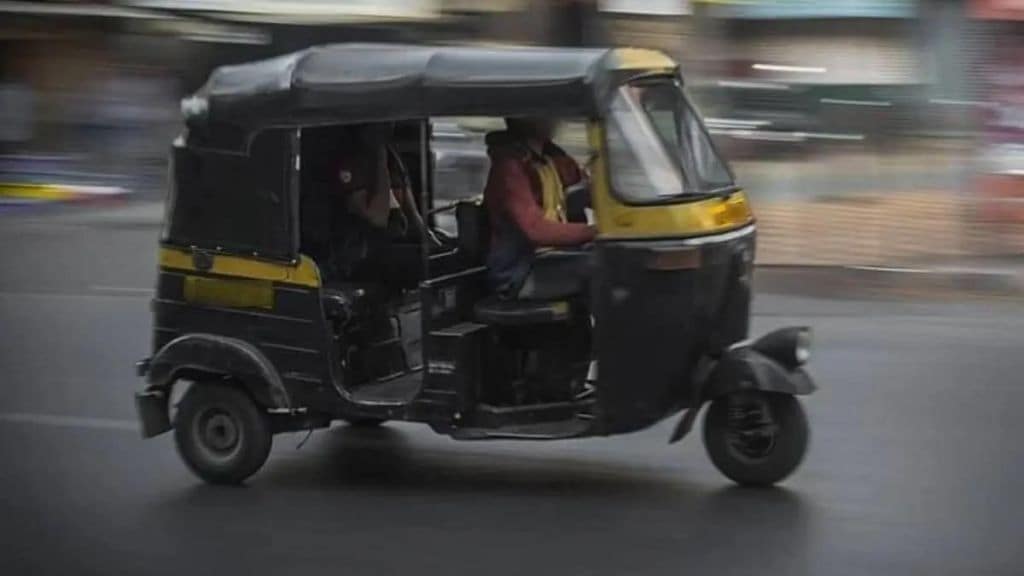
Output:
(686, 194)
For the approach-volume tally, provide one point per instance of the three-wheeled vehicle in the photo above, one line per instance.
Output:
(251, 339)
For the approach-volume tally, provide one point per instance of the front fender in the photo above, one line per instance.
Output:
(742, 368)
(748, 369)
(209, 353)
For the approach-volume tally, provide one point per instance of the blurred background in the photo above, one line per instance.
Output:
(869, 132)
(881, 142)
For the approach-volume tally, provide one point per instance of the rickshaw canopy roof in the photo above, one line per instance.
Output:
(376, 82)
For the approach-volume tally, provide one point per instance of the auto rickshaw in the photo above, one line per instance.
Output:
(249, 339)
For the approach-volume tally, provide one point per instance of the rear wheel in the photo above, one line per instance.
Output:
(756, 438)
(221, 434)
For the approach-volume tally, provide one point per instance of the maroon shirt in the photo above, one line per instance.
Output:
(514, 193)
(355, 172)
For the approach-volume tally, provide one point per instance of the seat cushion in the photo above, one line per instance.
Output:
(521, 312)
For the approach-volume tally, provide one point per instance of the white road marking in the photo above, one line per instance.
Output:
(69, 421)
(93, 294)
(893, 269)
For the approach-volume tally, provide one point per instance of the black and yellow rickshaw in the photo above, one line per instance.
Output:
(250, 340)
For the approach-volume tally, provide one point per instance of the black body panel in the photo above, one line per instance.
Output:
(655, 323)
(234, 203)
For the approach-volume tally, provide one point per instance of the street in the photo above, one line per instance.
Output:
(915, 465)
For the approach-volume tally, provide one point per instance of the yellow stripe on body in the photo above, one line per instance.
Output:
(229, 292)
(303, 273)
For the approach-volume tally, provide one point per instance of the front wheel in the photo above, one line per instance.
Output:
(221, 434)
(756, 438)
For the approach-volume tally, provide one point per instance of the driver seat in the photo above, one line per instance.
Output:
(474, 238)
(511, 313)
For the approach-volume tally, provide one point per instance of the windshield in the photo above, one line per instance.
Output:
(658, 147)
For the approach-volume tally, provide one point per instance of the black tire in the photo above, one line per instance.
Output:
(754, 455)
(221, 434)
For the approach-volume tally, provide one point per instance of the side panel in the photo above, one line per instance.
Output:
(447, 314)
(278, 312)
(660, 306)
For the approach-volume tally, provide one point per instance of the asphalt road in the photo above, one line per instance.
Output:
(915, 466)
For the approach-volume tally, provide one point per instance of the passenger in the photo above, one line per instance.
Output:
(377, 196)
(376, 184)
(526, 203)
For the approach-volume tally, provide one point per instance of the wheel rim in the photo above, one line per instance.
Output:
(752, 432)
(218, 433)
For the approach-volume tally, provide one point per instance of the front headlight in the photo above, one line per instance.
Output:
(802, 352)
(788, 346)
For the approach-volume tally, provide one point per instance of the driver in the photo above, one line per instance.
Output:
(526, 203)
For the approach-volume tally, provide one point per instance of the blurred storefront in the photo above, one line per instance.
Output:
(796, 74)
(858, 125)
(90, 86)
(93, 88)
(853, 123)
(998, 186)
(666, 25)
(90, 91)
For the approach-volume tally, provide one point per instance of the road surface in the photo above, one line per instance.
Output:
(915, 465)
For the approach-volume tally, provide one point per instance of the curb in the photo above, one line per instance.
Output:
(866, 281)
(34, 194)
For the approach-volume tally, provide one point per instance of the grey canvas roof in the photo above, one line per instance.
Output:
(356, 82)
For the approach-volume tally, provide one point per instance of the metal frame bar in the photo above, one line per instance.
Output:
(426, 193)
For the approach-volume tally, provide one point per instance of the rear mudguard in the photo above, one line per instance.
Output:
(212, 355)
(742, 368)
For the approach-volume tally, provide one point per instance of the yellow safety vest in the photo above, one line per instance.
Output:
(552, 191)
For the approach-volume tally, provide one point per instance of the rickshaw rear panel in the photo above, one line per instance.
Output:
(289, 338)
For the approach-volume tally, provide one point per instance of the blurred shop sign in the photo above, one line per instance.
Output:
(468, 6)
(647, 7)
(286, 9)
(766, 9)
(997, 9)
